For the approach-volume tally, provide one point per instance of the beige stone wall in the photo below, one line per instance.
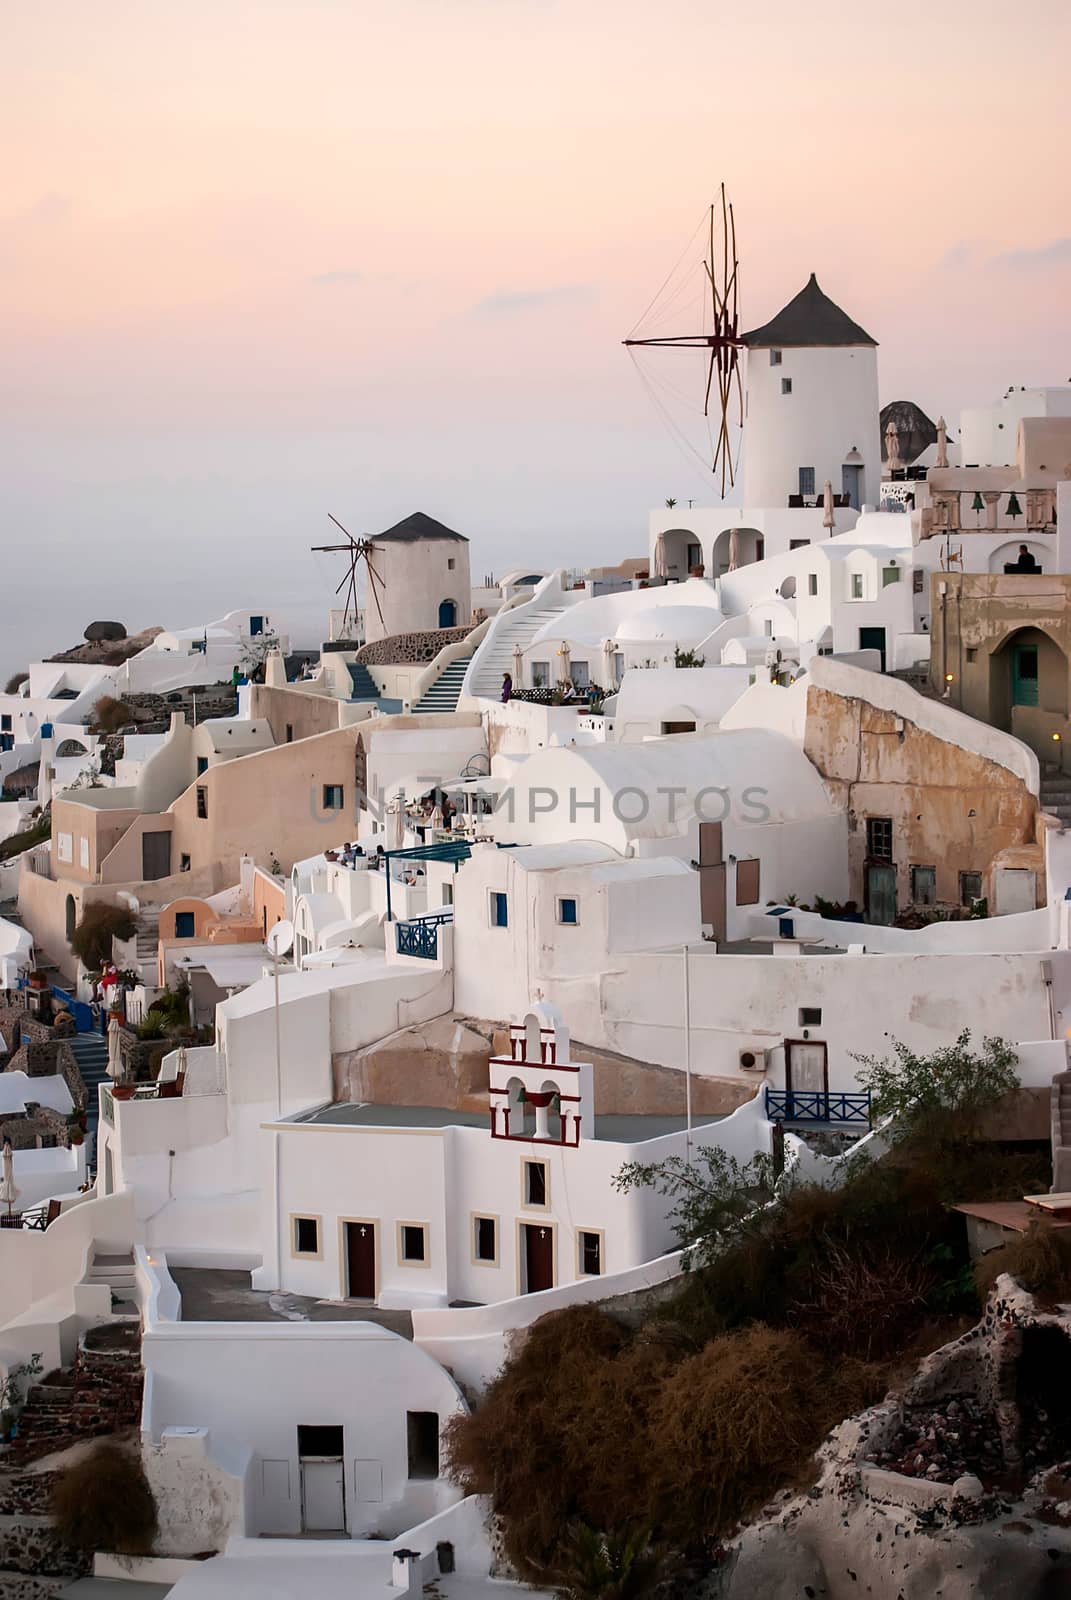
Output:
(975, 625)
(101, 829)
(305, 713)
(950, 808)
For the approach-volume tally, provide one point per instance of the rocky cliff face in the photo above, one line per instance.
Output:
(960, 1486)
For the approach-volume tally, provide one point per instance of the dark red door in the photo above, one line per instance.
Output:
(538, 1257)
(361, 1260)
(712, 878)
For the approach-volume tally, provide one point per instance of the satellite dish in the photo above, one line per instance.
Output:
(281, 938)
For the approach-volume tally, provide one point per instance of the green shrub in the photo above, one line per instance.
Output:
(16, 843)
(98, 925)
(104, 1502)
(16, 681)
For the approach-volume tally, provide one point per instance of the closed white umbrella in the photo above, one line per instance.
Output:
(892, 448)
(659, 565)
(518, 667)
(565, 669)
(828, 520)
(396, 824)
(115, 1060)
(734, 549)
(941, 459)
(8, 1192)
(608, 651)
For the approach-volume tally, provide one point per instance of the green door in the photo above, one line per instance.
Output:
(1025, 675)
(881, 895)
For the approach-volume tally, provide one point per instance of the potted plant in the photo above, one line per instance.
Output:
(38, 980)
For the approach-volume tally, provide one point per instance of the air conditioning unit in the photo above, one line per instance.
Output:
(773, 658)
(752, 1061)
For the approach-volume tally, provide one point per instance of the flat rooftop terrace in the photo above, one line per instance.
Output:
(614, 1130)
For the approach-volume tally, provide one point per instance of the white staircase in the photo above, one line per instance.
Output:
(116, 1270)
(509, 630)
(443, 693)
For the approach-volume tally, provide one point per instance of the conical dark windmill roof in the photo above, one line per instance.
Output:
(810, 319)
(415, 527)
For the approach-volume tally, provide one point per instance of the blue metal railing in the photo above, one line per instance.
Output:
(82, 1014)
(420, 935)
(817, 1105)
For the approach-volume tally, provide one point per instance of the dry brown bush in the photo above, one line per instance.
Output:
(104, 1502)
(1039, 1259)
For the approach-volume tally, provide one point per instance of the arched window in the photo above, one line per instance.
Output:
(554, 1111)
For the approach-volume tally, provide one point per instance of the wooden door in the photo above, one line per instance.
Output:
(538, 1257)
(361, 1260)
(323, 1497)
(156, 855)
(712, 878)
(881, 895)
(1025, 675)
(806, 1068)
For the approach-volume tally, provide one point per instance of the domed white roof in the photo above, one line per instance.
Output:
(686, 625)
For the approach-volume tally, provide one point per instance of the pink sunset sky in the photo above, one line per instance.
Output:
(264, 260)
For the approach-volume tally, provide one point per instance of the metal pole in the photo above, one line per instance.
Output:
(278, 1046)
(687, 1060)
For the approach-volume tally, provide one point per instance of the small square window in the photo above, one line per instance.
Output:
(786, 385)
(202, 801)
(306, 1236)
(540, 674)
(775, 358)
(810, 1016)
(806, 479)
(924, 886)
(202, 765)
(184, 925)
(567, 911)
(499, 910)
(184, 863)
(972, 653)
(332, 797)
(451, 563)
(879, 838)
(798, 544)
(812, 583)
(918, 581)
(485, 1239)
(535, 1183)
(857, 585)
(5, 722)
(413, 1242)
(889, 575)
(970, 888)
(290, 733)
(589, 1253)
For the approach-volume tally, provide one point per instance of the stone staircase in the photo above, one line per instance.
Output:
(509, 631)
(147, 939)
(98, 1395)
(444, 692)
(90, 1051)
(363, 685)
(1055, 794)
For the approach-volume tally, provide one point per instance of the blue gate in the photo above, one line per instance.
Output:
(818, 1106)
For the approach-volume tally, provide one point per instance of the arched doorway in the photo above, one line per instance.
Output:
(71, 912)
(448, 613)
(681, 553)
(1029, 669)
(1007, 557)
(736, 547)
(71, 747)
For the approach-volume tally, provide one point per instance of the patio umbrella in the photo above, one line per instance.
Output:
(608, 652)
(518, 667)
(396, 824)
(8, 1192)
(115, 1060)
(941, 458)
(565, 670)
(892, 448)
(734, 549)
(827, 506)
(658, 565)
